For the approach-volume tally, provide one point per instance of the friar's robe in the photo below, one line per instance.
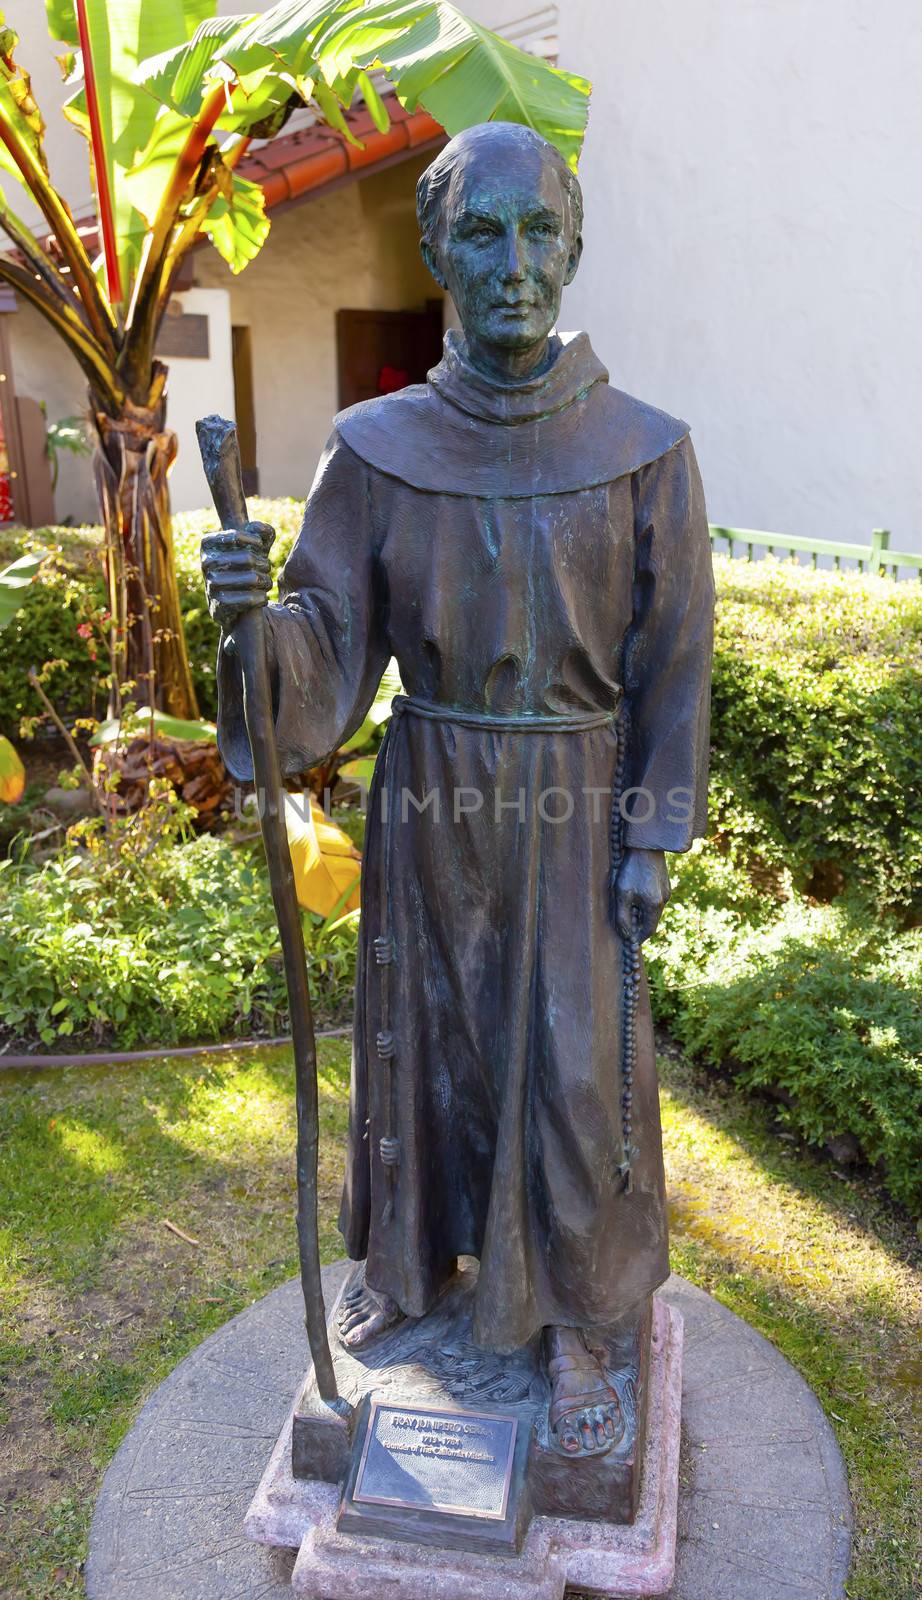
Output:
(533, 555)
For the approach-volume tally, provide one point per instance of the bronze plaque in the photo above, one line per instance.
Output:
(186, 335)
(426, 1458)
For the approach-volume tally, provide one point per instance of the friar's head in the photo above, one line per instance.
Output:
(501, 215)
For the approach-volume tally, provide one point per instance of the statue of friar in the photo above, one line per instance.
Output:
(531, 545)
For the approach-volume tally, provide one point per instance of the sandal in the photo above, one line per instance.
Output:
(590, 1409)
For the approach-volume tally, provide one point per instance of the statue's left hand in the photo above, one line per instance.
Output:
(641, 892)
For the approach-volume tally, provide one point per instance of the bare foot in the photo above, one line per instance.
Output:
(364, 1314)
(585, 1416)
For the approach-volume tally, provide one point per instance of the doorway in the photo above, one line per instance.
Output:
(245, 406)
(380, 351)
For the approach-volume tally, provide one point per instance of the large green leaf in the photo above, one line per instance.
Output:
(12, 774)
(14, 581)
(237, 224)
(323, 49)
(143, 183)
(62, 21)
(288, 31)
(166, 727)
(461, 72)
(372, 99)
(433, 54)
(182, 78)
(179, 77)
(18, 107)
(381, 708)
(121, 36)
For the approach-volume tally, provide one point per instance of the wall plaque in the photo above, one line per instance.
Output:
(423, 1472)
(185, 335)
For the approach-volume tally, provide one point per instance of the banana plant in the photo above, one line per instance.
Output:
(168, 96)
(15, 581)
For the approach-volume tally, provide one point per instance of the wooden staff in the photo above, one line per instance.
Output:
(221, 459)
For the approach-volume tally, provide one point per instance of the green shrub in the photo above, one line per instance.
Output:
(817, 697)
(817, 703)
(817, 1004)
(192, 955)
(45, 629)
(816, 762)
(201, 633)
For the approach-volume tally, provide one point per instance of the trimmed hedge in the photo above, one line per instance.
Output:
(817, 704)
(817, 697)
(817, 1004)
(816, 765)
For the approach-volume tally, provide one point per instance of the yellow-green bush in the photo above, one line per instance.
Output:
(817, 704)
(193, 955)
(817, 697)
(816, 764)
(819, 1005)
(45, 629)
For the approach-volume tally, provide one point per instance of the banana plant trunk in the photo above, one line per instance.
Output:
(134, 451)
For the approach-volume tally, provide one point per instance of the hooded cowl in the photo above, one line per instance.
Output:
(559, 432)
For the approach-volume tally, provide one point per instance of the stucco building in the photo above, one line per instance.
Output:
(753, 234)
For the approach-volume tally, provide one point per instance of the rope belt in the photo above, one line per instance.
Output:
(554, 722)
(383, 945)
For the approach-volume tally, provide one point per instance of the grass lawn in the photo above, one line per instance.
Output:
(100, 1299)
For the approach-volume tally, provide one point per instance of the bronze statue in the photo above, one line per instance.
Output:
(531, 544)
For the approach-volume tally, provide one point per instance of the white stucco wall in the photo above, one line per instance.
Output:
(198, 386)
(45, 370)
(753, 239)
(754, 228)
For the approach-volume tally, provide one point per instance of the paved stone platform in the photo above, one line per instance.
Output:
(764, 1511)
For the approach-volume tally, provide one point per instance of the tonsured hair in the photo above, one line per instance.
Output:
(434, 184)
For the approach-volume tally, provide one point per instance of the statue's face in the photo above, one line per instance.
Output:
(504, 250)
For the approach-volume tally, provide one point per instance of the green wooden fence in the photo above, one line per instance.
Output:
(874, 557)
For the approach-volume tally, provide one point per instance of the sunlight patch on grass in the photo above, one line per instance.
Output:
(803, 1239)
(89, 1148)
(101, 1300)
(230, 1115)
(98, 1299)
(826, 1272)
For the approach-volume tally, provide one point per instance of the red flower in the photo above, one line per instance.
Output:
(390, 379)
(85, 630)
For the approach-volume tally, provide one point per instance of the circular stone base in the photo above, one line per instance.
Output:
(764, 1512)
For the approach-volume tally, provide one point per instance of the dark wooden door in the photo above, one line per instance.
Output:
(244, 405)
(380, 351)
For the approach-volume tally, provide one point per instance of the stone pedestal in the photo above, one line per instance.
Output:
(763, 1501)
(606, 1524)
